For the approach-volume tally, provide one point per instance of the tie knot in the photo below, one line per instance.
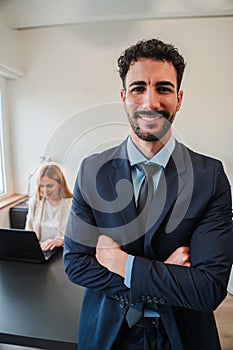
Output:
(149, 169)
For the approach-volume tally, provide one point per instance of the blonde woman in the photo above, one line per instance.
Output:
(49, 210)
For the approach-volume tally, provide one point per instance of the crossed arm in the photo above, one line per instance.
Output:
(200, 285)
(110, 255)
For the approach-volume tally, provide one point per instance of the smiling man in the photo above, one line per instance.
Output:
(156, 267)
(151, 99)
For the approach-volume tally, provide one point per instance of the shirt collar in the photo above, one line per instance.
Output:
(161, 158)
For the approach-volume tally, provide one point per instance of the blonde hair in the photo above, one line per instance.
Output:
(54, 172)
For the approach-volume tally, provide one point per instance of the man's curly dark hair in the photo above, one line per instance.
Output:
(154, 49)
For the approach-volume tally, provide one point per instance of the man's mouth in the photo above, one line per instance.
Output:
(151, 119)
(151, 116)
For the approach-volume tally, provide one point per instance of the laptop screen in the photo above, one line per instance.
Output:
(21, 245)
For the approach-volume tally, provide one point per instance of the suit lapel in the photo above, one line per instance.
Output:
(120, 170)
(128, 234)
(119, 175)
(170, 187)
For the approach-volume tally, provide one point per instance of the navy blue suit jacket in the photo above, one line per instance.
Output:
(192, 207)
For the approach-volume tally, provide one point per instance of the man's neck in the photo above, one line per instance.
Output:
(149, 148)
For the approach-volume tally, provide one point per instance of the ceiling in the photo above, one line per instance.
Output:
(25, 14)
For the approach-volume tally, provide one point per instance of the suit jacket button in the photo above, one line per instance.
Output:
(122, 304)
(155, 300)
(143, 298)
(149, 299)
(161, 301)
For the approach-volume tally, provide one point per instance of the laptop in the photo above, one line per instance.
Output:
(22, 245)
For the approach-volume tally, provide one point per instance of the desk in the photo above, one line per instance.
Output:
(39, 306)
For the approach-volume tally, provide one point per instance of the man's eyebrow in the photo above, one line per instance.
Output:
(160, 83)
(165, 82)
(137, 82)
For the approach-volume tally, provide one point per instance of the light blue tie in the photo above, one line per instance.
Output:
(135, 314)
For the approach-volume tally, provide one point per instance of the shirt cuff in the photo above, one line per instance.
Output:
(128, 270)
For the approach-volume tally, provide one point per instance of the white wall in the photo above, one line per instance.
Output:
(9, 53)
(68, 69)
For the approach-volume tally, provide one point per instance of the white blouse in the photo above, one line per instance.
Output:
(47, 220)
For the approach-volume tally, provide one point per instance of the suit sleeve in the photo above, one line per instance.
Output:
(201, 287)
(80, 241)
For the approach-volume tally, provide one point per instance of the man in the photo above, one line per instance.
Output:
(153, 275)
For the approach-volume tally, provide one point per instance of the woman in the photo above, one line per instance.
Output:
(49, 211)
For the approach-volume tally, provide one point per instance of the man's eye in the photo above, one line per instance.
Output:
(138, 89)
(163, 90)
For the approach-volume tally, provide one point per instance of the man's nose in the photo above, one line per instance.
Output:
(151, 100)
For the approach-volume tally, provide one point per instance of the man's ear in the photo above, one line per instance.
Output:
(179, 99)
(122, 93)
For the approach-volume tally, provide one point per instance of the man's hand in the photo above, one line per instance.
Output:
(180, 257)
(110, 255)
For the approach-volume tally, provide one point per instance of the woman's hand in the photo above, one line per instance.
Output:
(50, 244)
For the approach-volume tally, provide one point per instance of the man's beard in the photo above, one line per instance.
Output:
(144, 134)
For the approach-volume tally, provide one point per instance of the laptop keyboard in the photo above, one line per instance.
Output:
(49, 253)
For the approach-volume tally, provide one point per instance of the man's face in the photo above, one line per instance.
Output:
(150, 98)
